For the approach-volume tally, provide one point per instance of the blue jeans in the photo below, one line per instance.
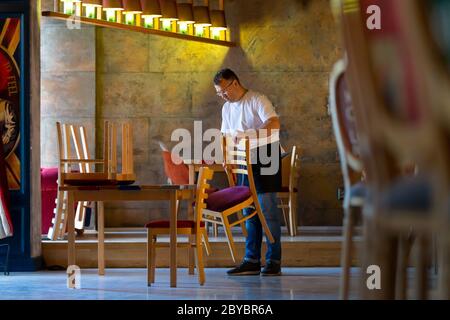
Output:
(269, 207)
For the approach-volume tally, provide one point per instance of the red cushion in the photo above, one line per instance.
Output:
(177, 173)
(227, 198)
(166, 224)
(208, 191)
(49, 179)
(49, 186)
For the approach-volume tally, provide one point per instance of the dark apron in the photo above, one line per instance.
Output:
(265, 181)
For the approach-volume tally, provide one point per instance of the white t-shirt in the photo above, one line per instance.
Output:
(249, 113)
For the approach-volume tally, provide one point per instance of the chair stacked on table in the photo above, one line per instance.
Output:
(82, 169)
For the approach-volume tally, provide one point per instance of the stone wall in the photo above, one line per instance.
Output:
(286, 50)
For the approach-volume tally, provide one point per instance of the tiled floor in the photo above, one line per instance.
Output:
(130, 284)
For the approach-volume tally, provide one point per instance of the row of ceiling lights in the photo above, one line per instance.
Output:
(186, 17)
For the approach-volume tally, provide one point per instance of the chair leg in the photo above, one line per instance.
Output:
(240, 215)
(206, 241)
(199, 258)
(55, 230)
(283, 209)
(444, 268)
(101, 237)
(380, 250)
(80, 215)
(293, 213)
(263, 221)
(435, 261)
(346, 252)
(149, 256)
(401, 282)
(422, 268)
(153, 258)
(62, 229)
(229, 235)
(191, 256)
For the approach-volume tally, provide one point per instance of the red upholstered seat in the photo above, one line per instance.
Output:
(166, 224)
(177, 173)
(208, 191)
(49, 189)
(226, 198)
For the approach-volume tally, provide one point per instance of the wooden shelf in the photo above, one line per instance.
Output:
(107, 24)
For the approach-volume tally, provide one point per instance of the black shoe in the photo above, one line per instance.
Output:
(246, 269)
(271, 269)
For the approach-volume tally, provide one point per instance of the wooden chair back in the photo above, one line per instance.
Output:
(237, 160)
(290, 166)
(73, 137)
(344, 126)
(205, 175)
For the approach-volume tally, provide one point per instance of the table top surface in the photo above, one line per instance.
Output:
(133, 187)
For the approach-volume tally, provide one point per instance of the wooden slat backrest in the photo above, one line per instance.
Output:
(237, 160)
(205, 174)
(344, 125)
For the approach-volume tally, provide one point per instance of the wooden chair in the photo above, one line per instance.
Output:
(179, 174)
(195, 228)
(72, 137)
(228, 202)
(351, 165)
(288, 196)
(426, 23)
(395, 127)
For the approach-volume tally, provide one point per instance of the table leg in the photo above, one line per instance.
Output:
(101, 238)
(70, 229)
(191, 174)
(173, 238)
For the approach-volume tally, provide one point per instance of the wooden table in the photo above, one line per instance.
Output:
(195, 166)
(100, 194)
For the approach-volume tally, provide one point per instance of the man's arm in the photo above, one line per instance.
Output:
(262, 132)
(271, 124)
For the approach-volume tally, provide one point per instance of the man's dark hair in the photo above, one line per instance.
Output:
(225, 74)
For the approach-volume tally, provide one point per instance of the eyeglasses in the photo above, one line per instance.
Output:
(221, 92)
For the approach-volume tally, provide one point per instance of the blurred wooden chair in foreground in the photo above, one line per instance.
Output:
(396, 127)
(351, 165)
(428, 33)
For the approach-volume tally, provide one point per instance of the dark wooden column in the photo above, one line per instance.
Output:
(25, 201)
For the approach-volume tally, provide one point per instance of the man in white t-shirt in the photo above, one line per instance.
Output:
(246, 113)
